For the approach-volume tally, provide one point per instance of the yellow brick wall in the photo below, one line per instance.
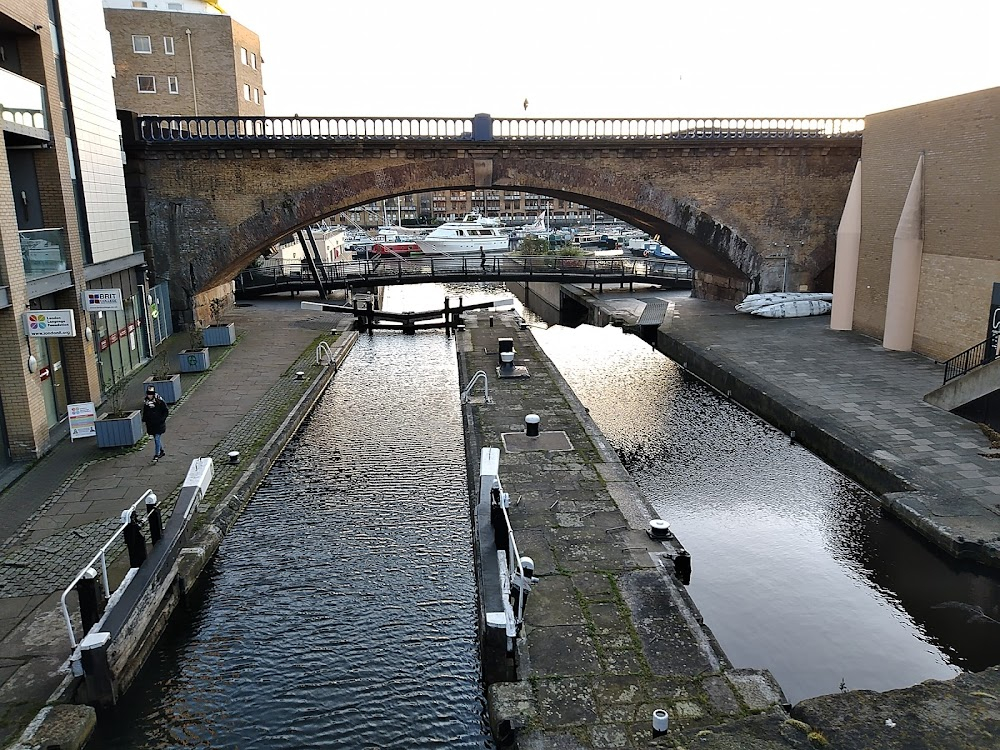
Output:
(960, 140)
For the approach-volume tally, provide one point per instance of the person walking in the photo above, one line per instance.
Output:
(154, 415)
(482, 258)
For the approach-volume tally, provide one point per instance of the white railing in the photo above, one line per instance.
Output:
(324, 354)
(102, 557)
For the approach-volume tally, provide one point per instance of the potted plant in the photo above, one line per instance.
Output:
(164, 383)
(219, 333)
(118, 426)
(195, 357)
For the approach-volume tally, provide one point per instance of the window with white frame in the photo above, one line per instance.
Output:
(140, 4)
(172, 86)
(146, 84)
(256, 96)
(246, 91)
(168, 45)
(243, 55)
(253, 60)
(175, 6)
(141, 45)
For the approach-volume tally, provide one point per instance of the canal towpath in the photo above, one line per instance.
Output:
(58, 511)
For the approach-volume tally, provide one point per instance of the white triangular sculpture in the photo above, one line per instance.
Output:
(904, 272)
(845, 270)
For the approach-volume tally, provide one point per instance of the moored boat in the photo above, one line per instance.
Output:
(472, 234)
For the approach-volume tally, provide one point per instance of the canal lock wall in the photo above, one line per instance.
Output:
(609, 634)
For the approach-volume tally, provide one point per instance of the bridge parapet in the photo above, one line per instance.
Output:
(483, 128)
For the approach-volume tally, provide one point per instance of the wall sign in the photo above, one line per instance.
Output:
(95, 300)
(49, 323)
(993, 328)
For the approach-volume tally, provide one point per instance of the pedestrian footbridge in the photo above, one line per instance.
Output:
(388, 271)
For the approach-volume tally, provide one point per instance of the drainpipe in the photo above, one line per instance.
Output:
(194, 87)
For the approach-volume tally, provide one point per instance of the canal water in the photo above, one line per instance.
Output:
(340, 611)
(795, 567)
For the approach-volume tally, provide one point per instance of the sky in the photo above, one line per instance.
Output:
(619, 58)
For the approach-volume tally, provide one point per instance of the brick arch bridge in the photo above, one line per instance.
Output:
(749, 204)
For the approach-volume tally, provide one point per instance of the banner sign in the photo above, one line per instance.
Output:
(50, 323)
(993, 330)
(96, 300)
(81, 420)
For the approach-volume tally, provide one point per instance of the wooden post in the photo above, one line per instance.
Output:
(91, 600)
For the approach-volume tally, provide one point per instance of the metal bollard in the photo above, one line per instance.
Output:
(531, 423)
(661, 722)
(153, 517)
(91, 599)
(134, 540)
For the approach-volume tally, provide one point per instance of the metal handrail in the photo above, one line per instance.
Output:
(970, 359)
(323, 348)
(467, 393)
(176, 129)
(515, 570)
(101, 555)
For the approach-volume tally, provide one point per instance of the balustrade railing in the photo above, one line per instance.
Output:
(485, 128)
(970, 359)
(43, 252)
(22, 102)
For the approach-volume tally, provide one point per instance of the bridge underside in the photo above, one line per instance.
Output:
(746, 217)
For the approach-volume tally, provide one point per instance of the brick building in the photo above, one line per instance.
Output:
(64, 225)
(184, 57)
(957, 221)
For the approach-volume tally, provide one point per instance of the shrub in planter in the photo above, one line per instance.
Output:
(195, 357)
(219, 333)
(119, 426)
(166, 384)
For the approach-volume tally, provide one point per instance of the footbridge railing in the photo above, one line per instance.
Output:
(483, 127)
(427, 269)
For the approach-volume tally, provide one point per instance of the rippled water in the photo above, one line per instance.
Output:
(340, 611)
(795, 568)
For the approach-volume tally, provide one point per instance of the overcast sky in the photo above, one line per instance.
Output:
(619, 58)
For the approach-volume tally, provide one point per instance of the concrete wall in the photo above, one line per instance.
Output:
(959, 139)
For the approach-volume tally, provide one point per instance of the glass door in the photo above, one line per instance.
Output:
(57, 376)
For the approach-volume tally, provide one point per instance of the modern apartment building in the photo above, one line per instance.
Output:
(183, 57)
(64, 226)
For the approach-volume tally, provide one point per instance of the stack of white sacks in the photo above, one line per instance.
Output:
(787, 304)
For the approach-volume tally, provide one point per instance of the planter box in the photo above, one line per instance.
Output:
(120, 431)
(193, 360)
(221, 335)
(169, 388)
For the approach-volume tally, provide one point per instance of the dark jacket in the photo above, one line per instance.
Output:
(154, 414)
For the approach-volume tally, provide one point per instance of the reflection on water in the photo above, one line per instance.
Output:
(340, 611)
(795, 567)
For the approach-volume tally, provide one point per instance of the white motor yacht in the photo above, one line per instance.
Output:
(466, 236)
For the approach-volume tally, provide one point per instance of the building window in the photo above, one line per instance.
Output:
(246, 91)
(146, 84)
(253, 60)
(256, 96)
(140, 4)
(141, 45)
(168, 45)
(243, 55)
(175, 6)
(172, 85)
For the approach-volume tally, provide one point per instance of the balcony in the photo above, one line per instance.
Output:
(22, 106)
(43, 252)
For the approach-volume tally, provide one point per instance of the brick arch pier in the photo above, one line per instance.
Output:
(750, 211)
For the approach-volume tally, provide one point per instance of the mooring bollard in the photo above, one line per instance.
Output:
(682, 567)
(661, 722)
(153, 516)
(531, 423)
(520, 586)
(96, 670)
(91, 599)
(134, 540)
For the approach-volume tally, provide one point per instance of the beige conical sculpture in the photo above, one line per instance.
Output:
(904, 272)
(845, 270)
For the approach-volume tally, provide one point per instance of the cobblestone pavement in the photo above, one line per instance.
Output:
(70, 501)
